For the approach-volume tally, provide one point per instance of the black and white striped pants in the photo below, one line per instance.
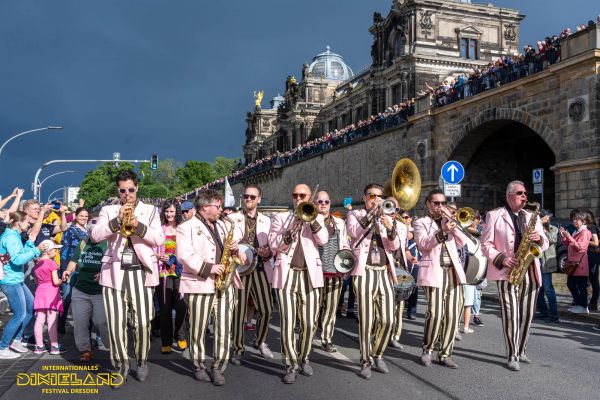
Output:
(375, 298)
(517, 306)
(330, 297)
(397, 327)
(298, 300)
(256, 285)
(444, 306)
(134, 300)
(200, 307)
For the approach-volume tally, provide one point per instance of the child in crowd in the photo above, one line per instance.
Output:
(47, 303)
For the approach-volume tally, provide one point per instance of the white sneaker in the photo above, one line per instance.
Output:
(265, 351)
(6, 354)
(581, 310)
(18, 346)
(466, 330)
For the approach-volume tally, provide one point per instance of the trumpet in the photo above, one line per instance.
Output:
(127, 228)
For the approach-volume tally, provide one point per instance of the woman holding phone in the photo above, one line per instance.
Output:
(577, 245)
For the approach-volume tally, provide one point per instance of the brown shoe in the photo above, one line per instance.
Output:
(201, 375)
(426, 359)
(290, 376)
(86, 356)
(448, 362)
(218, 378)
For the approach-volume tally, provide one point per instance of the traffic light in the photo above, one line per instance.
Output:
(154, 162)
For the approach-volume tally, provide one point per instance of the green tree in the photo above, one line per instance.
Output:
(224, 166)
(154, 190)
(195, 174)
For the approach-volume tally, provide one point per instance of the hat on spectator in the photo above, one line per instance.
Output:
(186, 206)
(546, 213)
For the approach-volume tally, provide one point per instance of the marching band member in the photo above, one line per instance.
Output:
(502, 234)
(129, 272)
(201, 241)
(401, 261)
(297, 277)
(441, 276)
(373, 277)
(252, 227)
(332, 280)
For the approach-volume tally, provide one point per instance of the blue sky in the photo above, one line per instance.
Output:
(173, 77)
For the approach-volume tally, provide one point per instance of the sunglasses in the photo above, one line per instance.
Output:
(372, 196)
(406, 217)
(249, 196)
(440, 203)
(130, 190)
(520, 193)
(300, 196)
(322, 201)
(217, 206)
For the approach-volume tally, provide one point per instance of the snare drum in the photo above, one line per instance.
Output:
(252, 257)
(405, 285)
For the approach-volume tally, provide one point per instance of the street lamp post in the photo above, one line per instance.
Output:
(25, 133)
(48, 177)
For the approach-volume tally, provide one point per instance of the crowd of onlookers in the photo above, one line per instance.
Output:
(391, 117)
(505, 69)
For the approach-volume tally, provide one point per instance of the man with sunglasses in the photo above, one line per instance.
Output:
(129, 272)
(500, 239)
(441, 276)
(332, 280)
(200, 245)
(376, 239)
(297, 276)
(252, 227)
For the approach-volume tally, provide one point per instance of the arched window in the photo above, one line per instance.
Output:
(399, 46)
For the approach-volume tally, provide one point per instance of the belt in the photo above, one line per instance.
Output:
(299, 268)
(376, 267)
(132, 268)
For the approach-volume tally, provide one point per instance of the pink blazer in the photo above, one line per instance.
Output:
(498, 237)
(431, 272)
(111, 274)
(310, 241)
(356, 231)
(577, 250)
(263, 225)
(196, 246)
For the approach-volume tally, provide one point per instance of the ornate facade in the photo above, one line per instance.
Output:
(420, 42)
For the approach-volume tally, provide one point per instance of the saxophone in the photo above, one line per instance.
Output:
(230, 261)
(527, 250)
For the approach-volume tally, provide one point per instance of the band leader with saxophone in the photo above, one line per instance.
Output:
(210, 257)
(513, 240)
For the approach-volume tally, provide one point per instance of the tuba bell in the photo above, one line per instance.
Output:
(465, 216)
(406, 183)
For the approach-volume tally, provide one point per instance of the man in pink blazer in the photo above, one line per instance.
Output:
(376, 239)
(129, 272)
(332, 280)
(200, 244)
(298, 277)
(441, 276)
(252, 227)
(502, 233)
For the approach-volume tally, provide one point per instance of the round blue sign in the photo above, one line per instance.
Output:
(453, 172)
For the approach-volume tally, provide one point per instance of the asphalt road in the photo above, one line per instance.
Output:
(566, 359)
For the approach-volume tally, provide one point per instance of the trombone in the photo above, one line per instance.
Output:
(464, 218)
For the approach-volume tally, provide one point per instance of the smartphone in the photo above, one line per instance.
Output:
(347, 201)
(56, 205)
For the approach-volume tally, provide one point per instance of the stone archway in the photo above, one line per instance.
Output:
(501, 145)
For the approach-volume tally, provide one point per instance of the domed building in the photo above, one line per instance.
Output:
(292, 118)
(330, 66)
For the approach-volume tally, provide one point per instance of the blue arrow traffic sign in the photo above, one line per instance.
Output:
(453, 172)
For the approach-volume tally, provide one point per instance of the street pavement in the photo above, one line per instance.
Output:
(566, 358)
